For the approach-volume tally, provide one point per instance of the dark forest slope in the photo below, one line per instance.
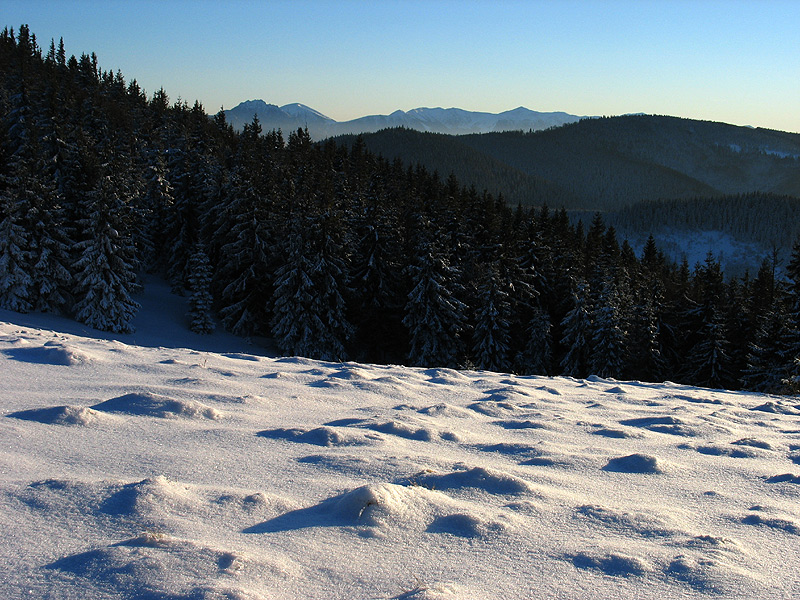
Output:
(607, 163)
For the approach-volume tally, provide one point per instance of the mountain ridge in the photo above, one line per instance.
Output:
(451, 121)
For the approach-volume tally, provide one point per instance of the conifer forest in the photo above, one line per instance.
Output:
(339, 254)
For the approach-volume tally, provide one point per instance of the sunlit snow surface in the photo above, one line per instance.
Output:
(167, 473)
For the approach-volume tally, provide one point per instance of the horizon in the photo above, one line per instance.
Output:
(726, 61)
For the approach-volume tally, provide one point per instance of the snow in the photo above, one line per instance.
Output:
(735, 256)
(168, 465)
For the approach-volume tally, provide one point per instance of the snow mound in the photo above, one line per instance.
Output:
(319, 436)
(753, 443)
(489, 480)
(404, 430)
(444, 410)
(240, 356)
(493, 408)
(157, 566)
(359, 467)
(614, 564)
(634, 463)
(784, 478)
(625, 522)
(434, 592)
(668, 424)
(717, 450)
(382, 509)
(379, 504)
(777, 523)
(778, 408)
(51, 353)
(62, 415)
(466, 526)
(444, 376)
(520, 424)
(155, 405)
(611, 432)
(511, 448)
(149, 498)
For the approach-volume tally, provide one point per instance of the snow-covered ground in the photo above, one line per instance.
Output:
(735, 256)
(192, 468)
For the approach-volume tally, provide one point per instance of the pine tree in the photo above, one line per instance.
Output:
(377, 287)
(608, 350)
(434, 317)
(577, 327)
(491, 336)
(536, 356)
(646, 360)
(708, 363)
(766, 368)
(200, 300)
(106, 267)
(309, 312)
(244, 276)
(790, 338)
(15, 258)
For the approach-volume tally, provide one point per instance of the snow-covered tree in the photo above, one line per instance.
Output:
(608, 350)
(536, 355)
(376, 286)
(15, 257)
(491, 336)
(200, 300)
(243, 274)
(106, 267)
(434, 316)
(309, 310)
(766, 367)
(708, 362)
(577, 328)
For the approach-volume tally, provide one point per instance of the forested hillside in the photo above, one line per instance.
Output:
(768, 220)
(607, 163)
(337, 253)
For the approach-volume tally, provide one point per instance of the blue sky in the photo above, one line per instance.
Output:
(736, 61)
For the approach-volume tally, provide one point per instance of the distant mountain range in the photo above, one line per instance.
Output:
(453, 121)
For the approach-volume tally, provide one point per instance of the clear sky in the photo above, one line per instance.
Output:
(736, 61)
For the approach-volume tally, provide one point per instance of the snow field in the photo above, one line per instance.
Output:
(153, 472)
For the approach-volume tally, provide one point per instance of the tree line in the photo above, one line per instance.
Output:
(337, 253)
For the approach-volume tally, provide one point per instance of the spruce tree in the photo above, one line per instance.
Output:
(106, 266)
(15, 257)
(608, 349)
(491, 336)
(434, 316)
(200, 300)
(309, 311)
(577, 328)
(535, 357)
